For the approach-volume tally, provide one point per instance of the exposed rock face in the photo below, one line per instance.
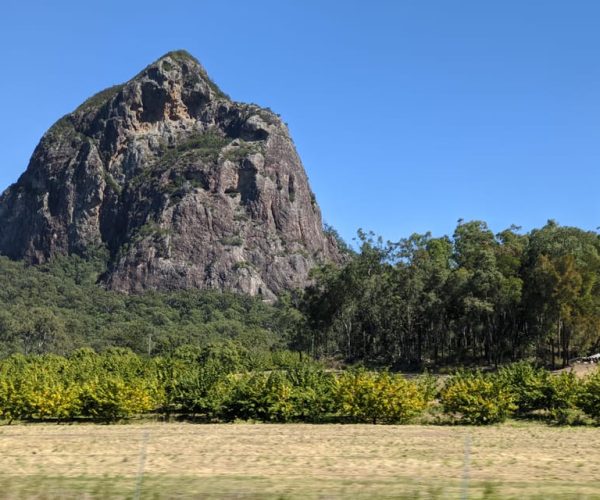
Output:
(185, 188)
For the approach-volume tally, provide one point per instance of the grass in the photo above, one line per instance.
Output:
(100, 99)
(64, 129)
(232, 241)
(204, 145)
(242, 150)
(112, 183)
(182, 57)
(298, 461)
(150, 229)
(242, 265)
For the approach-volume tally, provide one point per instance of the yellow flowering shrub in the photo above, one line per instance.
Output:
(379, 397)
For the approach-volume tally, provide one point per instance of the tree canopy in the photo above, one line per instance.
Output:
(475, 297)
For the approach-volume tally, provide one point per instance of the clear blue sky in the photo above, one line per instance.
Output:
(408, 114)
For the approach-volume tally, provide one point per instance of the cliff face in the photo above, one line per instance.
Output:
(186, 189)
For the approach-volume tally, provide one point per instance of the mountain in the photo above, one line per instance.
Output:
(180, 185)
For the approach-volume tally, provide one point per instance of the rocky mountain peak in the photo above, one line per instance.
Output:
(184, 187)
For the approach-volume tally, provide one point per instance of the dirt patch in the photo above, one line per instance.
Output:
(580, 369)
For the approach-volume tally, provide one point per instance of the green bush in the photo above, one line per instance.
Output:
(313, 392)
(38, 387)
(303, 394)
(111, 397)
(379, 397)
(589, 395)
(262, 396)
(196, 391)
(527, 384)
(247, 398)
(562, 395)
(476, 398)
(116, 384)
(113, 385)
(226, 381)
(194, 378)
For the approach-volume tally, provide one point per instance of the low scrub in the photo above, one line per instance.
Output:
(379, 397)
(226, 381)
(589, 396)
(474, 398)
(528, 385)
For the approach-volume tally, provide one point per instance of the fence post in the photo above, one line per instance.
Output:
(141, 466)
(466, 466)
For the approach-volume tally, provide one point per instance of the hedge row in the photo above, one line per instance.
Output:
(522, 391)
(220, 383)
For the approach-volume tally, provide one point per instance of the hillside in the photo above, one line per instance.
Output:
(181, 186)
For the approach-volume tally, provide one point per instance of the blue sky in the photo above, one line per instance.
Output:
(408, 115)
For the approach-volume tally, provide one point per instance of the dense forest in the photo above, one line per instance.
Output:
(59, 307)
(475, 298)
(423, 302)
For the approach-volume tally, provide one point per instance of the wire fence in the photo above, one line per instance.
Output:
(246, 462)
(69, 465)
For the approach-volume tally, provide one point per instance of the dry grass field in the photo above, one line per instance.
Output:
(153, 460)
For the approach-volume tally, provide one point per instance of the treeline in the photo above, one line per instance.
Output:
(474, 298)
(423, 302)
(225, 382)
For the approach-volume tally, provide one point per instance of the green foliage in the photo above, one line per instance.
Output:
(62, 130)
(476, 298)
(589, 395)
(476, 398)
(536, 390)
(242, 265)
(226, 381)
(195, 378)
(66, 132)
(302, 394)
(182, 162)
(58, 308)
(167, 66)
(113, 385)
(418, 303)
(117, 384)
(100, 99)
(112, 183)
(332, 233)
(379, 397)
(428, 384)
(257, 396)
(208, 144)
(562, 395)
(313, 398)
(237, 152)
(110, 398)
(528, 385)
(181, 56)
(232, 241)
(37, 387)
(150, 229)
